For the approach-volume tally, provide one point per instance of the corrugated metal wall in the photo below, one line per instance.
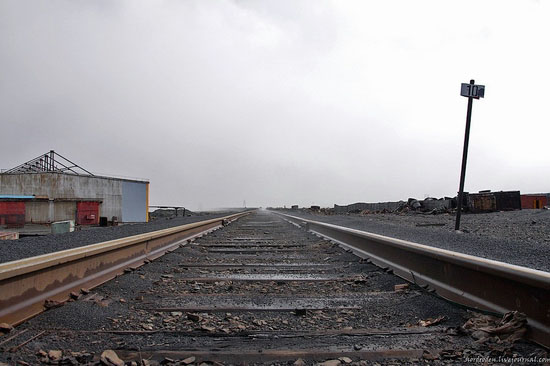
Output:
(64, 186)
(64, 211)
(134, 202)
(37, 212)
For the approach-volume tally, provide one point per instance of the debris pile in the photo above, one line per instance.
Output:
(427, 206)
(494, 337)
(497, 333)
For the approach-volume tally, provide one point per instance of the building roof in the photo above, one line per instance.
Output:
(50, 162)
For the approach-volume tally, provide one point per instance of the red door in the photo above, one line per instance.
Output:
(87, 213)
(12, 213)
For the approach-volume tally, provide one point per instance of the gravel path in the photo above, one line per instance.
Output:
(31, 246)
(517, 237)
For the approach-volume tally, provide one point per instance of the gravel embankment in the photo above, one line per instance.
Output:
(32, 246)
(517, 237)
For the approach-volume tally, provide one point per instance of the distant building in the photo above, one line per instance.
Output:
(51, 188)
(535, 200)
(487, 201)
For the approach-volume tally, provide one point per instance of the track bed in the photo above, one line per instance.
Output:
(257, 291)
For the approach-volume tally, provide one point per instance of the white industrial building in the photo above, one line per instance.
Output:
(51, 188)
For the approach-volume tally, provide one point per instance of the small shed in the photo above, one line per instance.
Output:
(487, 201)
(535, 200)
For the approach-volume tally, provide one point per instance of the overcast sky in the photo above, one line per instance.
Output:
(280, 102)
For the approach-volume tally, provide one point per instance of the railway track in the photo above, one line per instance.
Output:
(262, 291)
(473, 281)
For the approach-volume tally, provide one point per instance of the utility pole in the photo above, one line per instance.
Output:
(470, 91)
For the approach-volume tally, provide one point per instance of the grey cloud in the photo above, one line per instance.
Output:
(274, 102)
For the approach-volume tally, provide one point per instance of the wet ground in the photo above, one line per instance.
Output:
(259, 291)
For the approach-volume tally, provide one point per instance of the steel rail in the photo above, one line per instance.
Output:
(26, 284)
(465, 279)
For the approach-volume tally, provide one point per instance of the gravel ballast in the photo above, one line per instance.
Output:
(261, 291)
(516, 237)
(32, 246)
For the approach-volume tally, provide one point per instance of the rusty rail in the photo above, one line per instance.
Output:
(472, 281)
(26, 284)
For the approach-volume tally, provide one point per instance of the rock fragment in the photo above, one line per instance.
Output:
(330, 363)
(194, 317)
(431, 321)
(42, 353)
(207, 328)
(188, 360)
(147, 326)
(110, 358)
(55, 355)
